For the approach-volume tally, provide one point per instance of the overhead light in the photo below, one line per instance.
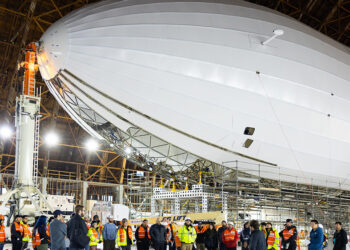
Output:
(276, 33)
(91, 145)
(128, 150)
(51, 139)
(5, 132)
(111, 145)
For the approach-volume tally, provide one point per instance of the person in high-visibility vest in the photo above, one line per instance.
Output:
(27, 234)
(230, 237)
(171, 235)
(17, 233)
(187, 235)
(272, 237)
(2, 232)
(124, 236)
(94, 235)
(40, 236)
(289, 236)
(142, 236)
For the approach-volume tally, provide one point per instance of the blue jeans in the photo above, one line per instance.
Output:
(87, 247)
(2, 246)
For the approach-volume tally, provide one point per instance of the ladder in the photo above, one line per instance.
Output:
(36, 150)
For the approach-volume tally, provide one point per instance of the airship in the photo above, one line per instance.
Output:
(228, 81)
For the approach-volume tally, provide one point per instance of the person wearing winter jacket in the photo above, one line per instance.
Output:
(289, 236)
(211, 238)
(316, 236)
(245, 236)
(340, 238)
(158, 235)
(220, 232)
(230, 237)
(200, 230)
(257, 238)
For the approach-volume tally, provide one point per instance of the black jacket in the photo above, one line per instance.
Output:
(257, 241)
(15, 234)
(221, 230)
(292, 240)
(211, 238)
(158, 234)
(200, 237)
(341, 239)
(76, 230)
(245, 235)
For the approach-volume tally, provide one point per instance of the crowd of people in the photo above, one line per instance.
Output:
(80, 233)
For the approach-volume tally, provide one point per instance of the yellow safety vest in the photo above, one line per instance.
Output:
(94, 237)
(273, 240)
(27, 235)
(187, 236)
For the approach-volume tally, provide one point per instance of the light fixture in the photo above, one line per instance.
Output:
(128, 150)
(276, 33)
(51, 139)
(91, 145)
(5, 132)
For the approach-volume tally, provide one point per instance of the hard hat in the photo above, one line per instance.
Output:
(188, 218)
(230, 223)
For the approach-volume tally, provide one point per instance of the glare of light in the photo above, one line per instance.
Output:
(111, 145)
(91, 145)
(128, 150)
(5, 132)
(51, 139)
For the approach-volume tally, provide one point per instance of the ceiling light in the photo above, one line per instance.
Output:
(128, 150)
(5, 132)
(51, 139)
(91, 145)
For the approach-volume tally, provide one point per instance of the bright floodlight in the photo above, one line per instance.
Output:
(51, 139)
(128, 150)
(5, 132)
(91, 145)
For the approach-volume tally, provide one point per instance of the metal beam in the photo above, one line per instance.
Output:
(122, 171)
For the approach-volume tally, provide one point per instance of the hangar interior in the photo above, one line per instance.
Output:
(109, 173)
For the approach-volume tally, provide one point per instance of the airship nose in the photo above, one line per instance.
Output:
(52, 50)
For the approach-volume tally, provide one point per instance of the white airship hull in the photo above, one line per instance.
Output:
(195, 74)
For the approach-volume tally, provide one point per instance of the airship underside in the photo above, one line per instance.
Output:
(184, 80)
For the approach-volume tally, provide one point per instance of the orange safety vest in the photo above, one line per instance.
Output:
(122, 235)
(288, 233)
(177, 240)
(100, 229)
(170, 229)
(142, 232)
(2, 234)
(36, 241)
(48, 230)
(27, 232)
(229, 235)
(271, 238)
(200, 231)
(19, 227)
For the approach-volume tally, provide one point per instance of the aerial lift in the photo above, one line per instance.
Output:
(25, 196)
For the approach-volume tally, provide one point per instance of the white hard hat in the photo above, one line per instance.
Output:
(230, 223)
(110, 217)
(188, 218)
